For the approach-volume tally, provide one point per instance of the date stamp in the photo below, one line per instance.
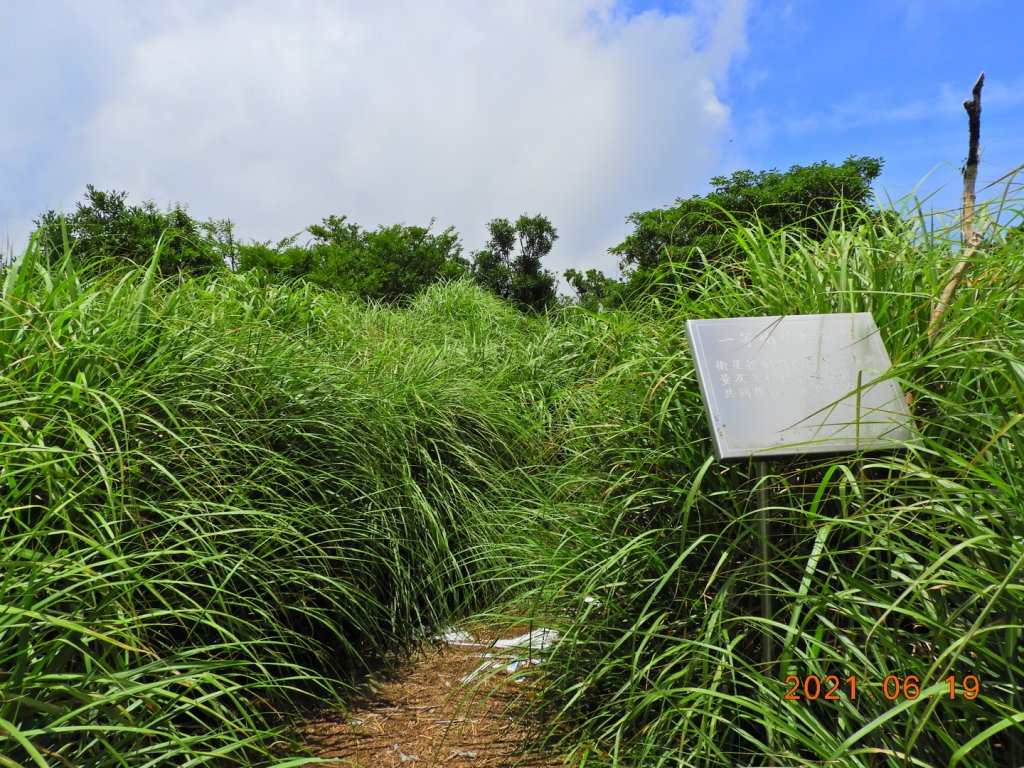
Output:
(892, 688)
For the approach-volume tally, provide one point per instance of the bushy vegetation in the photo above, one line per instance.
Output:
(518, 275)
(387, 264)
(226, 497)
(812, 199)
(390, 264)
(106, 228)
(393, 264)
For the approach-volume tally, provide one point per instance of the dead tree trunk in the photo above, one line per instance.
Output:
(970, 237)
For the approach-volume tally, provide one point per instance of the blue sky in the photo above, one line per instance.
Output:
(276, 115)
(821, 80)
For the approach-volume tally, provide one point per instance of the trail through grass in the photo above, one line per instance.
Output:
(223, 499)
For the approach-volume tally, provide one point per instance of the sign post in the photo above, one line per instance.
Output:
(767, 611)
(794, 385)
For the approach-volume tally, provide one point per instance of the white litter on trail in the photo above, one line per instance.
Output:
(456, 637)
(518, 651)
(537, 638)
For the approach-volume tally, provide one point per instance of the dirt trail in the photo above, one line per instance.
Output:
(430, 716)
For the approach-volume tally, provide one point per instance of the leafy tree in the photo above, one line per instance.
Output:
(593, 288)
(806, 196)
(105, 226)
(283, 261)
(492, 267)
(220, 236)
(387, 264)
(518, 276)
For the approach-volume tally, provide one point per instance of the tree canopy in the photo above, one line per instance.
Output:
(518, 275)
(386, 264)
(809, 197)
(394, 262)
(592, 287)
(106, 226)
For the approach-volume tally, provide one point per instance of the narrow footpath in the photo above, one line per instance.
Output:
(452, 706)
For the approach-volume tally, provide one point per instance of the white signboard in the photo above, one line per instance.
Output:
(797, 384)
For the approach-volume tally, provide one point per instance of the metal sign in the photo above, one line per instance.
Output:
(797, 384)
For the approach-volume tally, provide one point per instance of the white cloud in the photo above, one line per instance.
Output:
(278, 114)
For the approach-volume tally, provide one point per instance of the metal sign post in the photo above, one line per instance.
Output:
(795, 385)
(767, 611)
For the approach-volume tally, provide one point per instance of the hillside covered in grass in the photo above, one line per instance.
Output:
(224, 498)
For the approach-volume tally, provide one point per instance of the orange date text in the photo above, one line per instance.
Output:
(892, 688)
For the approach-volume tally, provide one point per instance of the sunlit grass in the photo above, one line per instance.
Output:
(909, 565)
(224, 500)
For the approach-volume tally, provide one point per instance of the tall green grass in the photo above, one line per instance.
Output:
(223, 500)
(910, 564)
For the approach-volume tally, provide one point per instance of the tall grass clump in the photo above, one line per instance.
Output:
(907, 566)
(223, 499)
